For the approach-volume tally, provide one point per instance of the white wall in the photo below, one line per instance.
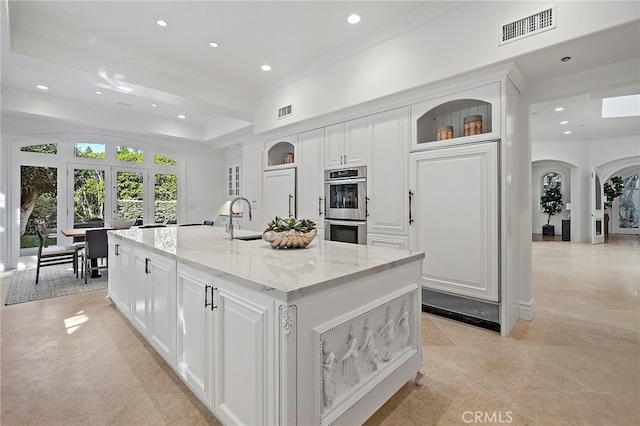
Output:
(429, 53)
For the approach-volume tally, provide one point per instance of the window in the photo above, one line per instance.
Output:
(629, 203)
(159, 159)
(124, 153)
(165, 198)
(551, 179)
(48, 148)
(89, 150)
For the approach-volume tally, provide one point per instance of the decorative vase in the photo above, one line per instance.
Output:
(289, 239)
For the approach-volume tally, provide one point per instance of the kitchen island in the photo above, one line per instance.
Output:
(325, 334)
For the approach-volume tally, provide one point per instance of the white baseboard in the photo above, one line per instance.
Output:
(527, 310)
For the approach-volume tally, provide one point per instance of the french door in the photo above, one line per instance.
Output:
(88, 186)
(129, 187)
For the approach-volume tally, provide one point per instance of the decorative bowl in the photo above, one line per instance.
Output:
(121, 223)
(289, 239)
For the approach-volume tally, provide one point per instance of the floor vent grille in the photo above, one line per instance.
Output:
(539, 22)
(284, 112)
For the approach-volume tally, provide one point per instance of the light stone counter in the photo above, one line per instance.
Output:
(284, 274)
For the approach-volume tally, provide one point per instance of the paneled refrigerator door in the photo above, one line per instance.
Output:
(455, 208)
(279, 194)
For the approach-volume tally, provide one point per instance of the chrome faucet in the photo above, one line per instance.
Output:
(230, 229)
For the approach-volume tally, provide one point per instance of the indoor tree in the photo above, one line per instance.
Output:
(551, 203)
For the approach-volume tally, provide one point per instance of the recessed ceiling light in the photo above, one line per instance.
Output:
(182, 116)
(559, 109)
(568, 132)
(213, 44)
(265, 67)
(154, 105)
(97, 92)
(42, 87)
(564, 122)
(162, 22)
(566, 59)
(353, 18)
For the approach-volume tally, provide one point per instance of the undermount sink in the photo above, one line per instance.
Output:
(248, 237)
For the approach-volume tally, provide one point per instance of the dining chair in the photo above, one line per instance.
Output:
(54, 255)
(95, 248)
(208, 222)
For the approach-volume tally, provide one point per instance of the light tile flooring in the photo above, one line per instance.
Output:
(75, 360)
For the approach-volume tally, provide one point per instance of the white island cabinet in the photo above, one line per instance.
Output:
(321, 335)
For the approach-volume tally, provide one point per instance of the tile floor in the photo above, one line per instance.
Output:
(75, 360)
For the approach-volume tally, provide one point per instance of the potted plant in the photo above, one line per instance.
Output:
(289, 233)
(551, 203)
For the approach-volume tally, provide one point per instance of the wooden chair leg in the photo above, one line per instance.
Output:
(37, 272)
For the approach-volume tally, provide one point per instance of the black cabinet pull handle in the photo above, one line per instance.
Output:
(410, 198)
(117, 249)
(366, 206)
(206, 296)
(211, 304)
(146, 265)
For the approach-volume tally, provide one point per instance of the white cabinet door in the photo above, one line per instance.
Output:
(162, 308)
(334, 146)
(279, 194)
(139, 292)
(355, 142)
(345, 144)
(119, 283)
(195, 337)
(387, 192)
(310, 182)
(243, 356)
(459, 234)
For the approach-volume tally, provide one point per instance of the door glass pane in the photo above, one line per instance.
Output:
(629, 203)
(129, 195)
(89, 150)
(38, 203)
(166, 198)
(88, 196)
(598, 194)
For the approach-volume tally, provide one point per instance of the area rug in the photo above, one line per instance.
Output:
(54, 281)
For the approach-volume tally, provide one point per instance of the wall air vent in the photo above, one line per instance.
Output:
(533, 24)
(284, 112)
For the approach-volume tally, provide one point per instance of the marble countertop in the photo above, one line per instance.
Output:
(284, 274)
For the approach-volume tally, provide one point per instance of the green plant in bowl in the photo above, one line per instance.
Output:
(289, 233)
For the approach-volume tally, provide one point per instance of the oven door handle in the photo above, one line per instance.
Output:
(345, 222)
(344, 181)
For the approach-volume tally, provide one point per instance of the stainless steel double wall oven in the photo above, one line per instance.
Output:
(345, 193)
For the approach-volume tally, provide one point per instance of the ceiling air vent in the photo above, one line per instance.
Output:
(284, 112)
(533, 24)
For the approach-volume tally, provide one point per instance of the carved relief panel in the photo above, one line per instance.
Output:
(357, 352)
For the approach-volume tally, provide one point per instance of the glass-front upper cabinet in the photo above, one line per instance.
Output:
(460, 117)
